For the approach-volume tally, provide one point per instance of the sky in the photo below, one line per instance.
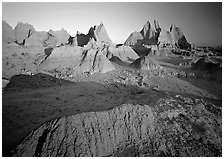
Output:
(201, 22)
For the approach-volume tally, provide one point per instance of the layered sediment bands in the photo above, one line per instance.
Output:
(175, 126)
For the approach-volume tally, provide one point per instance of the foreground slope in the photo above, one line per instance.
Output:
(174, 127)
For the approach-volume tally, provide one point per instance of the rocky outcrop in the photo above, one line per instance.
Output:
(50, 38)
(174, 38)
(148, 35)
(125, 53)
(25, 34)
(101, 34)
(56, 38)
(145, 63)
(178, 37)
(36, 39)
(98, 33)
(22, 32)
(175, 126)
(8, 35)
(63, 56)
(77, 60)
(93, 60)
(152, 34)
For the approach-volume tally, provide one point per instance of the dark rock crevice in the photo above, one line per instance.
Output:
(41, 141)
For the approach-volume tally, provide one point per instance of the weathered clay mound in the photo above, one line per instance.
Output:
(77, 60)
(125, 53)
(63, 56)
(145, 63)
(94, 61)
(8, 35)
(174, 127)
(40, 80)
(22, 32)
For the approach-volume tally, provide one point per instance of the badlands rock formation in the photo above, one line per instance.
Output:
(89, 53)
(98, 33)
(50, 38)
(174, 37)
(173, 127)
(8, 35)
(25, 34)
(152, 35)
(36, 39)
(22, 32)
(125, 53)
(148, 35)
(75, 59)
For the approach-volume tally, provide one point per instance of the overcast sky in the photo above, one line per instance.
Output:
(200, 22)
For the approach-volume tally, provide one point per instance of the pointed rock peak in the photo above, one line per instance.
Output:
(147, 25)
(99, 27)
(101, 24)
